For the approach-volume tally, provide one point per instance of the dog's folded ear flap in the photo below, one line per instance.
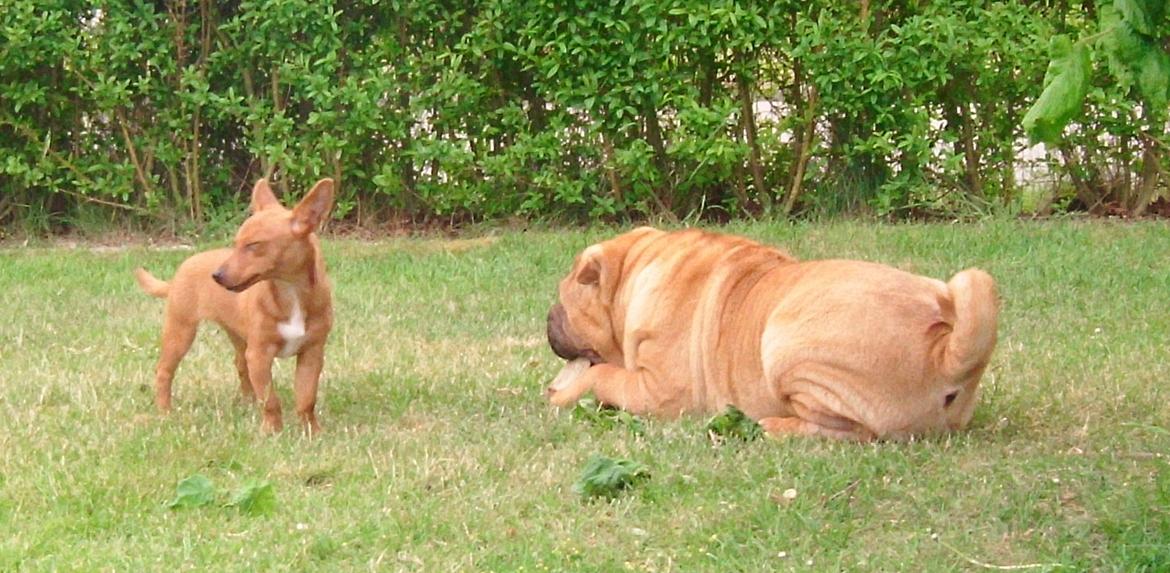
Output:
(262, 196)
(590, 268)
(309, 213)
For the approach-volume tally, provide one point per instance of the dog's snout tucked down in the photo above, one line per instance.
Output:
(562, 341)
(556, 333)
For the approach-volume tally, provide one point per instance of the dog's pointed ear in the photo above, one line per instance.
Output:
(590, 269)
(309, 213)
(262, 196)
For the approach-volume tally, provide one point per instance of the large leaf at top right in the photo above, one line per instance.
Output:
(1066, 82)
(1154, 80)
(1143, 15)
(1122, 45)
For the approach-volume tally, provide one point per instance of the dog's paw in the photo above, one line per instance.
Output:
(563, 390)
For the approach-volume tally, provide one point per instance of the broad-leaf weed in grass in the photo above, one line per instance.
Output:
(606, 417)
(608, 477)
(733, 424)
(255, 497)
(193, 491)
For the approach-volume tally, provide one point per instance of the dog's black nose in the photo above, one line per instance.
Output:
(217, 276)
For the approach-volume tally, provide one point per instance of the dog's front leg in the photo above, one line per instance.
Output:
(247, 394)
(570, 383)
(309, 364)
(259, 357)
(638, 392)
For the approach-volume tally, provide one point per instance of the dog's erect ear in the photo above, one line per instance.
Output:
(262, 196)
(590, 271)
(312, 209)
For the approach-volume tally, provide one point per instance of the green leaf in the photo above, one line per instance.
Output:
(194, 491)
(1121, 44)
(732, 423)
(607, 477)
(1143, 15)
(254, 498)
(1065, 85)
(602, 416)
(1153, 79)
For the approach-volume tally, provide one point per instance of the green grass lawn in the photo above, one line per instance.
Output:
(440, 454)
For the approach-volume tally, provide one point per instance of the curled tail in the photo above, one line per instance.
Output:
(151, 285)
(972, 338)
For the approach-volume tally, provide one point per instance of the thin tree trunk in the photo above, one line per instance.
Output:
(707, 82)
(255, 128)
(654, 138)
(806, 136)
(1151, 173)
(755, 164)
(207, 27)
(406, 170)
(178, 15)
(970, 155)
(194, 187)
(1083, 191)
(740, 188)
(615, 185)
(277, 108)
(173, 183)
(7, 206)
(139, 170)
(957, 117)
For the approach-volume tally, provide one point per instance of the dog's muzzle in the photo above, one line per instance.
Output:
(221, 279)
(561, 341)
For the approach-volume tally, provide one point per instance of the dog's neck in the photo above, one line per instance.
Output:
(302, 281)
(292, 291)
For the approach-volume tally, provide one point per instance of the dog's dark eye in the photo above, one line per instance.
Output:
(950, 399)
(253, 247)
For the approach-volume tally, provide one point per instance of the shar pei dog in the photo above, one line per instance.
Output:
(666, 323)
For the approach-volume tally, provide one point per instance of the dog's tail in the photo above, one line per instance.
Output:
(968, 347)
(151, 285)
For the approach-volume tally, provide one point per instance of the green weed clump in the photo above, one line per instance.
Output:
(254, 497)
(598, 415)
(733, 424)
(608, 477)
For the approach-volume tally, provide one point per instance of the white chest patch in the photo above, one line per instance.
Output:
(293, 329)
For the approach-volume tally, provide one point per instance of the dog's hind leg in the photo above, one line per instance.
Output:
(777, 427)
(812, 418)
(246, 392)
(177, 335)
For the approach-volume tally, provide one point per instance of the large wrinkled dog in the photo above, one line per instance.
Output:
(691, 321)
(269, 293)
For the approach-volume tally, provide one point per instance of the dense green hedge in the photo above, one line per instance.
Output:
(424, 110)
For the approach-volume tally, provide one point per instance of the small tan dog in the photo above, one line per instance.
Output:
(269, 293)
(667, 323)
